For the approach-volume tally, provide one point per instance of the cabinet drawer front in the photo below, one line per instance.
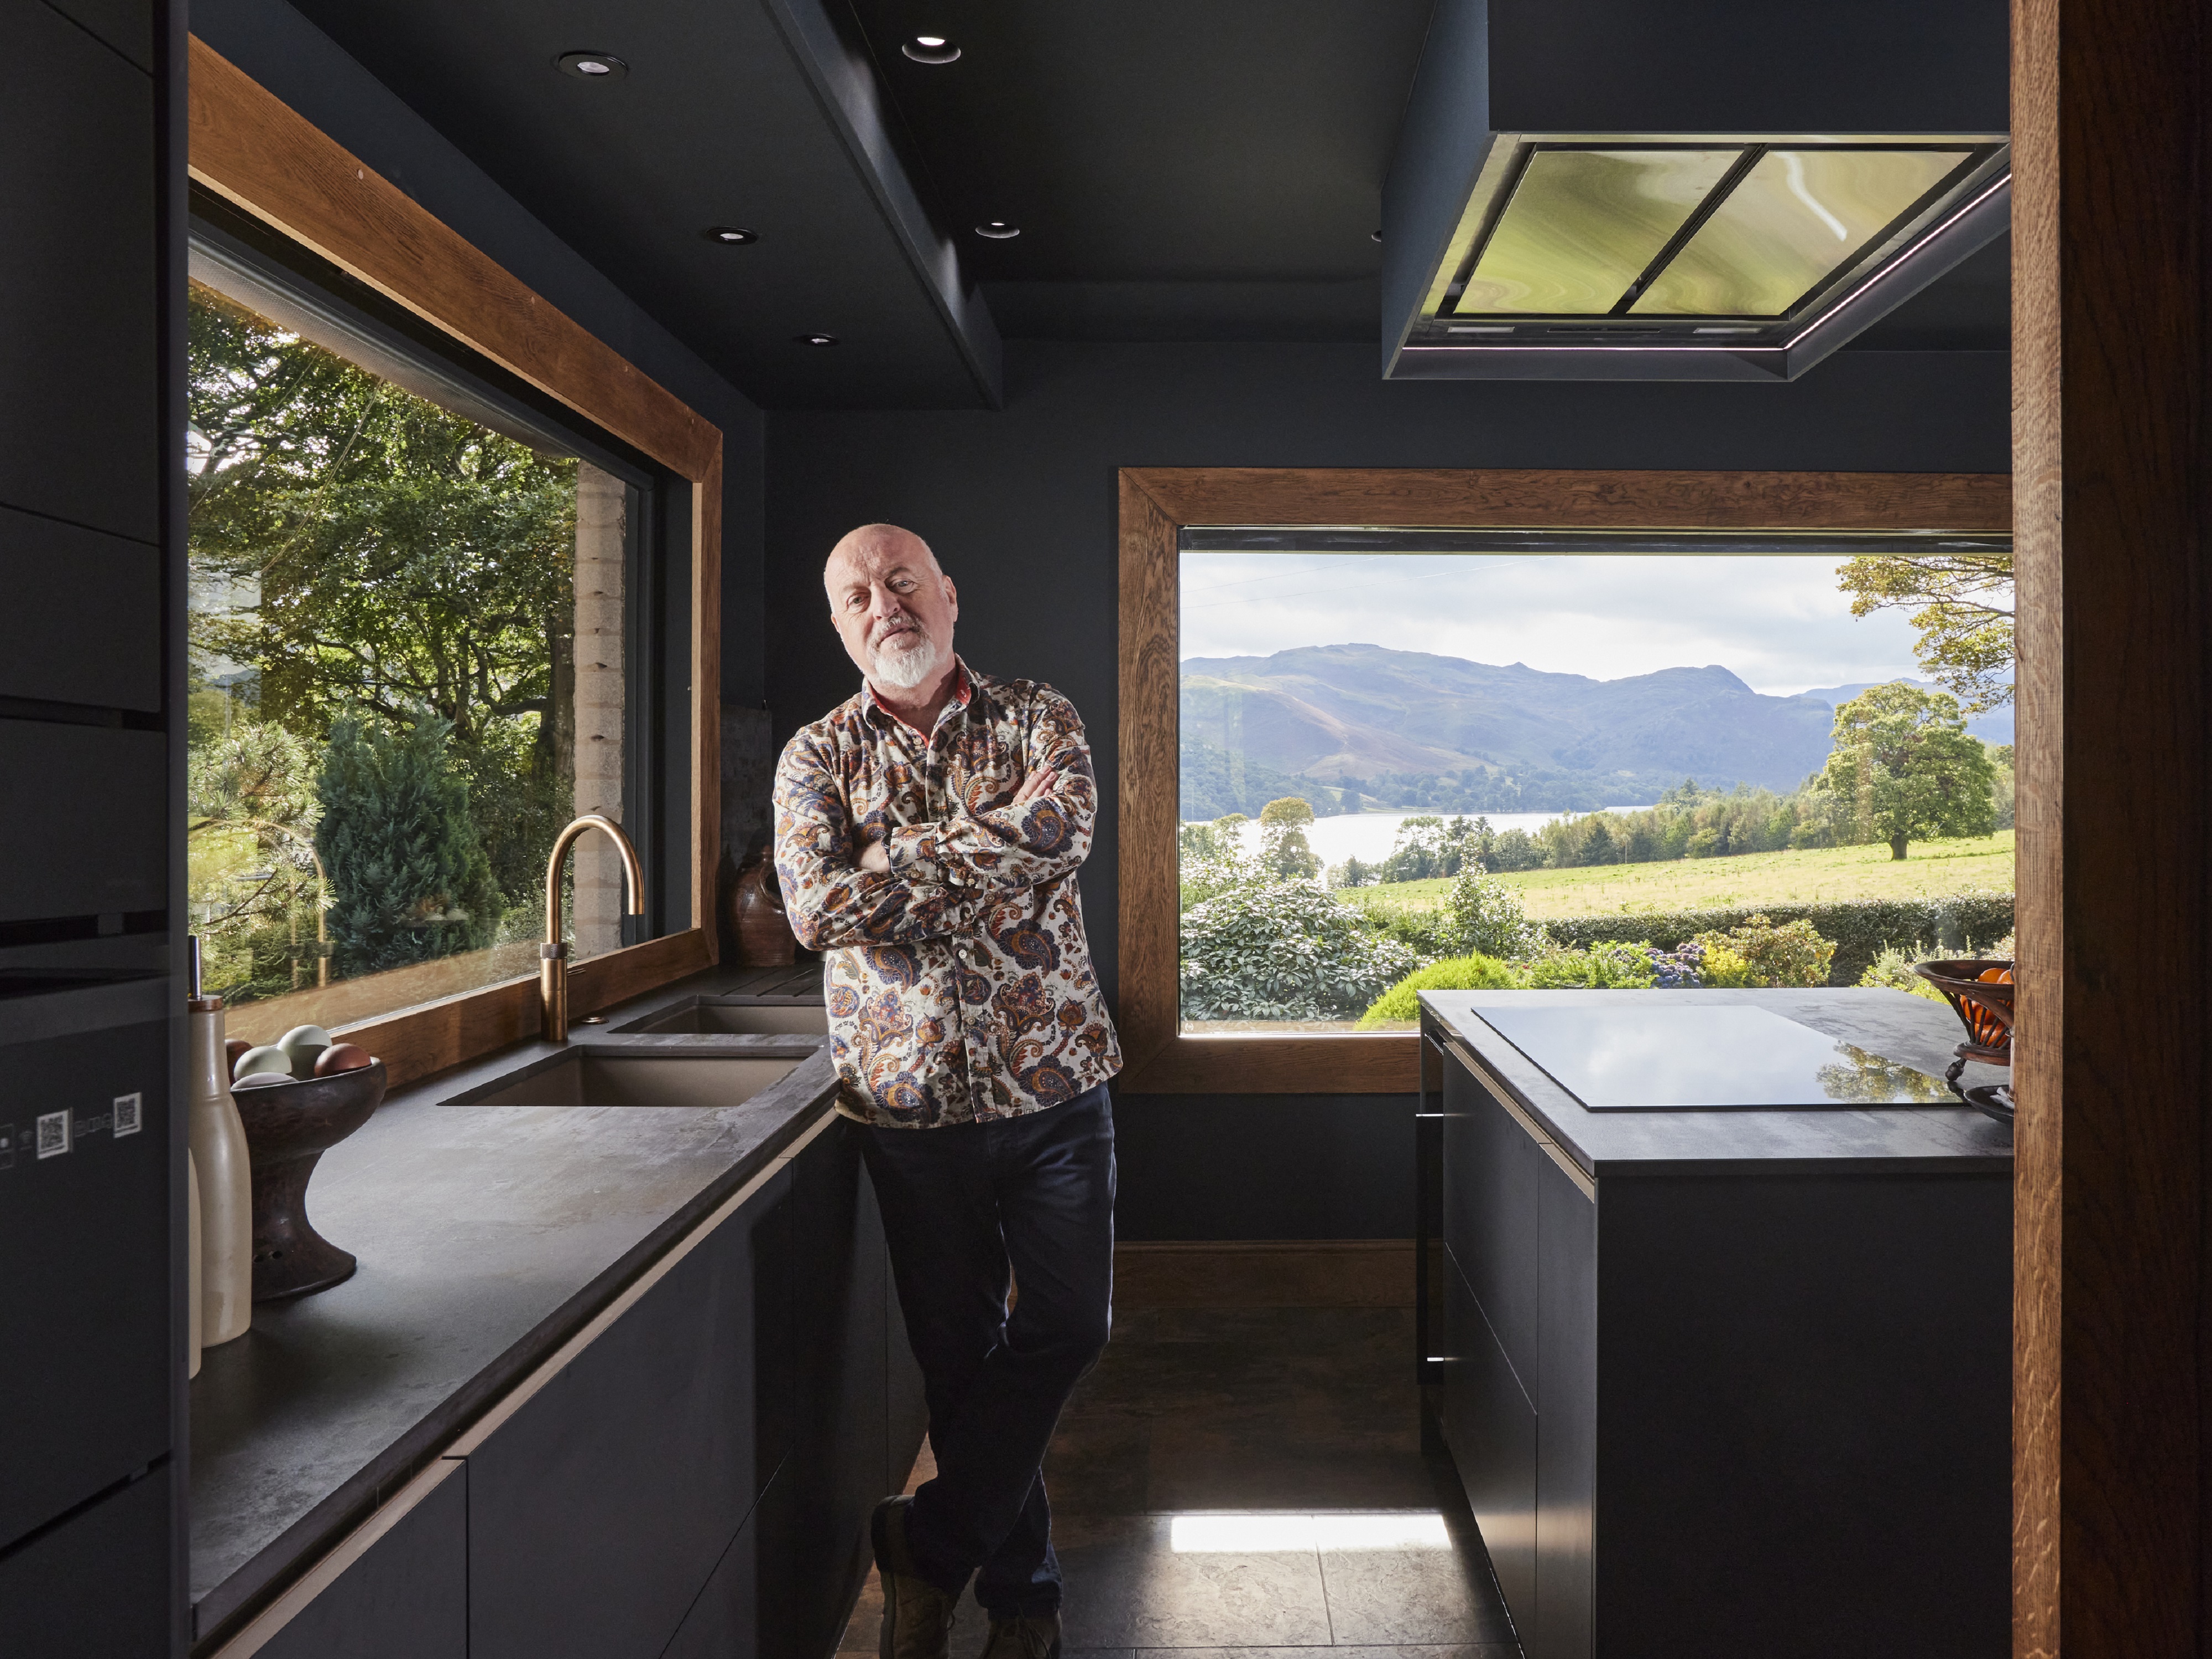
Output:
(1491, 1170)
(406, 1593)
(599, 1508)
(99, 842)
(1491, 1430)
(1566, 1417)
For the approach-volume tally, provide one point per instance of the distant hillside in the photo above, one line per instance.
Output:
(1995, 726)
(1407, 728)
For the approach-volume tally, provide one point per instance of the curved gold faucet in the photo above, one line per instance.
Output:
(553, 954)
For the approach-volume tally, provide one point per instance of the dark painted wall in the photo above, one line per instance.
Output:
(1020, 506)
(301, 64)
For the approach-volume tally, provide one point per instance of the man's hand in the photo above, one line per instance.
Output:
(876, 860)
(1035, 785)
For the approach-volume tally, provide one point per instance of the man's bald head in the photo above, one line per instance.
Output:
(874, 541)
(892, 604)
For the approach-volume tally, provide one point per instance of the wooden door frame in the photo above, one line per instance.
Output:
(253, 150)
(2111, 275)
(1157, 503)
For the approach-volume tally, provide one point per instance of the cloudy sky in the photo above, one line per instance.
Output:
(1779, 622)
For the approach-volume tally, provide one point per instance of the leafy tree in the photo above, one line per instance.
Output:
(256, 893)
(1211, 859)
(1962, 604)
(408, 875)
(1904, 760)
(1486, 917)
(1283, 849)
(392, 559)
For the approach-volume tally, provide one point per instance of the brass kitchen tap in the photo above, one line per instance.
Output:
(553, 954)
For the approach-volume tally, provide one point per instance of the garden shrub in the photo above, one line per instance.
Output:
(1473, 972)
(1959, 923)
(1892, 970)
(1285, 950)
(1608, 964)
(1789, 953)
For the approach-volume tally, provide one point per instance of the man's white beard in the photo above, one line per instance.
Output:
(902, 667)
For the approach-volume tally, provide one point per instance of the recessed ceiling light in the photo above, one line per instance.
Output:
(1374, 235)
(931, 49)
(817, 339)
(730, 234)
(591, 65)
(998, 230)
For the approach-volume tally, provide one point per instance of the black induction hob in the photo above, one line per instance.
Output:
(1672, 1056)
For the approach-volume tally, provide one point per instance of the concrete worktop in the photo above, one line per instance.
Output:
(1909, 1029)
(486, 1236)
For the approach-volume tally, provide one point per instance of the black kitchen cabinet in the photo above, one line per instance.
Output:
(599, 1507)
(80, 363)
(840, 1454)
(1723, 1409)
(408, 1593)
(99, 842)
(92, 1586)
(87, 1226)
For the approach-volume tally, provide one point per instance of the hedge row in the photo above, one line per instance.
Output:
(1963, 922)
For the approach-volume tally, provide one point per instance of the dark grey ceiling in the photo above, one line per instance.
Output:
(1180, 169)
(727, 116)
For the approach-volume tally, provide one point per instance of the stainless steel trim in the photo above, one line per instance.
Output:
(1519, 1114)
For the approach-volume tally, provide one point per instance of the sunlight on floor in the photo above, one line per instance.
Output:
(1260, 1534)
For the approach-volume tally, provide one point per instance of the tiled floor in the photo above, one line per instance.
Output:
(1247, 1483)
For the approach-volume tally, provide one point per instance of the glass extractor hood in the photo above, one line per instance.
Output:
(1696, 256)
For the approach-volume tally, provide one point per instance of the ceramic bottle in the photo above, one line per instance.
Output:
(225, 1183)
(193, 1343)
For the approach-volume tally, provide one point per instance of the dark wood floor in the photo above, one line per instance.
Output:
(1248, 1482)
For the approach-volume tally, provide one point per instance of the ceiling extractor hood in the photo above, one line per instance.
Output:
(1600, 190)
(1694, 257)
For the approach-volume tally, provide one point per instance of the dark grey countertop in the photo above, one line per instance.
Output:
(1880, 1139)
(486, 1236)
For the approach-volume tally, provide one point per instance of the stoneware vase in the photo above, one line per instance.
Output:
(755, 917)
(289, 1128)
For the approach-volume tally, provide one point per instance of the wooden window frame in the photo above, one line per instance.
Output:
(1157, 503)
(256, 152)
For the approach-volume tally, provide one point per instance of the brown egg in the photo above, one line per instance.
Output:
(344, 1057)
(232, 1048)
(261, 1080)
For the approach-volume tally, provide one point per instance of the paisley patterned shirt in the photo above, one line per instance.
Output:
(959, 984)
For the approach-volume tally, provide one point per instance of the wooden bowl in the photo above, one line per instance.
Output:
(289, 1128)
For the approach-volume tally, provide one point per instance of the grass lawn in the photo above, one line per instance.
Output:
(1821, 875)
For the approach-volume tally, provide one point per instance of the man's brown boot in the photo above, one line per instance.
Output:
(1030, 1637)
(917, 1615)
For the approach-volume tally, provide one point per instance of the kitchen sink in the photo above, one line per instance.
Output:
(598, 1077)
(780, 1017)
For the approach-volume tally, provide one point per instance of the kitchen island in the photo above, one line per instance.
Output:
(614, 1375)
(1723, 1383)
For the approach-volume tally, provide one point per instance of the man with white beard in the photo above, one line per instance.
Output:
(927, 834)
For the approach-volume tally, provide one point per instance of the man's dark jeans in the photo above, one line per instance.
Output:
(960, 1203)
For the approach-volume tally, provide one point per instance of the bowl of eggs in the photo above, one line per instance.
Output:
(297, 1097)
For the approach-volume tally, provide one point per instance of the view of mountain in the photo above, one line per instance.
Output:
(1404, 728)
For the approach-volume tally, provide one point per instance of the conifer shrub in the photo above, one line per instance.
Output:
(410, 880)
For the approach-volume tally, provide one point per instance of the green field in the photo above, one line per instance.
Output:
(1822, 876)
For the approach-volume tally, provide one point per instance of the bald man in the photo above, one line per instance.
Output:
(927, 834)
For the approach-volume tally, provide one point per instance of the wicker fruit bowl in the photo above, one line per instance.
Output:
(1980, 992)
